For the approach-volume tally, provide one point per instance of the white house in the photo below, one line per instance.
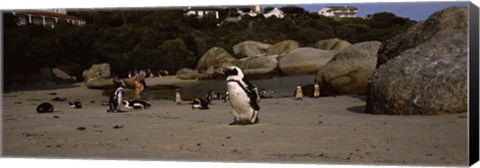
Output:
(201, 12)
(274, 12)
(47, 17)
(339, 11)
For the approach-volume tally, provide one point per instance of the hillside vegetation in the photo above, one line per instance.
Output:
(167, 39)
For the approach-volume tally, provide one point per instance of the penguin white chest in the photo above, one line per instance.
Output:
(238, 98)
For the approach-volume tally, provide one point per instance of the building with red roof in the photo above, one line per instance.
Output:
(47, 17)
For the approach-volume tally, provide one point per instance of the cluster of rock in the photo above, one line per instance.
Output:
(261, 60)
(43, 76)
(98, 76)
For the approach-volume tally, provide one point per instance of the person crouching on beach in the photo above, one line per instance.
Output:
(138, 88)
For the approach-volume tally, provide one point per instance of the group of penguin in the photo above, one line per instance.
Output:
(135, 104)
(202, 103)
(242, 95)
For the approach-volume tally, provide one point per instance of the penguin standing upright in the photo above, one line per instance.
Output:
(316, 90)
(116, 98)
(299, 92)
(243, 97)
(178, 98)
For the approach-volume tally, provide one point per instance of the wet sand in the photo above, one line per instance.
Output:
(328, 130)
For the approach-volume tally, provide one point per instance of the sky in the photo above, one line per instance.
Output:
(413, 10)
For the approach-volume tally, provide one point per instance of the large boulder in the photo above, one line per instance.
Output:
(186, 74)
(349, 70)
(304, 61)
(250, 48)
(452, 18)
(212, 73)
(44, 76)
(215, 57)
(259, 66)
(98, 76)
(428, 79)
(60, 75)
(332, 44)
(282, 48)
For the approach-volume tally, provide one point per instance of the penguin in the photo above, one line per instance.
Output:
(243, 97)
(116, 98)
(298, 92)
(209, 97)
(75, 104)
(136, 104)
(178, 97)
(45, 108)
(316, 90)
(219, 96)
(226, 98)
(264, 93)
(201, 104)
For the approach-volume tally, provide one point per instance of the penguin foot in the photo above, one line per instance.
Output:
(233, 123)
(256, 121)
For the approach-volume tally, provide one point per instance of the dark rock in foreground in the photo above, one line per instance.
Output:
(428, 79)
(453, 18)
(424, 70)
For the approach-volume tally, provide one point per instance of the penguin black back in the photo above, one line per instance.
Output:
(45, 108)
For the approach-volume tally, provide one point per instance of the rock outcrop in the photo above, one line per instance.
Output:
(332, 44)
(210, 64)
(186, 74)
(61, 76)
(250, 48)
(282, 48)
(98, 76)
(449, 19)
(348, 72)
(215, 57)
(426, 80)
(259, 66)
(304, 61)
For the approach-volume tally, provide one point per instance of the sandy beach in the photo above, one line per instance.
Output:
(314, 131)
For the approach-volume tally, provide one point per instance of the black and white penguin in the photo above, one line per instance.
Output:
(316, 90)
(136, 104)
(75, 104)
(299, 92)
(209, 97)
(45, 108)
(243, 97)
(178, 97)
(201, 104)
(116, 98)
